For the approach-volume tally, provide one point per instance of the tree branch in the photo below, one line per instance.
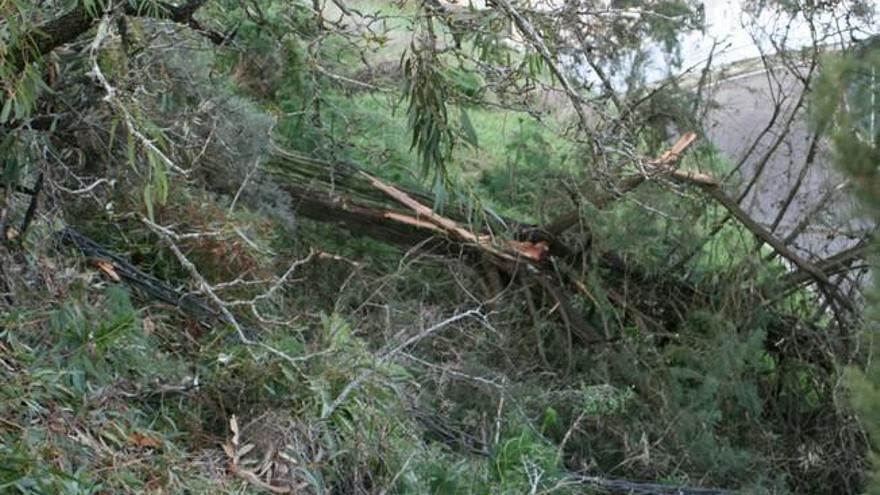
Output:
(834, 264)
(529, 31)
(734, 209)
(664, 165)
(70, 25)
(150, 285)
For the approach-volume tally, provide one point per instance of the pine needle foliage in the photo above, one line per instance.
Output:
(324, 362)
(846, 106)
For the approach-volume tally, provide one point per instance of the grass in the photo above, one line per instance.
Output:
(107, 391)
(513, 163)
(101, 397)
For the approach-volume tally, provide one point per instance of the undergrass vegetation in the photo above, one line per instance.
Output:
(295, 355)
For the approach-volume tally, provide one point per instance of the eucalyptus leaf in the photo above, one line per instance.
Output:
(470, 134)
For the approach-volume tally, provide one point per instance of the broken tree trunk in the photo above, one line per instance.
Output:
(346, 196)
(342, 194)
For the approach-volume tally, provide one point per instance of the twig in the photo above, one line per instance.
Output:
(200, 279)
(353, 82)
(560, 450)
(32, 207)
(453, 373)
(277, 285)
(228, 317)
(764, 235)
(382, 358)
(110, 96)
(831, 265)
(244, 183)
(663, 165)
(399, 473)
(538, 42)
(85, 189)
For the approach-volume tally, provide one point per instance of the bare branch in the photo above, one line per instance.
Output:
(385, 356)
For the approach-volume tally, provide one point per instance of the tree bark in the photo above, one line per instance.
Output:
(70, 25)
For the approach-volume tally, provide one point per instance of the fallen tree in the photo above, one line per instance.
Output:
(341, 194)
(118, 269)
(625, 320)
(344, 195)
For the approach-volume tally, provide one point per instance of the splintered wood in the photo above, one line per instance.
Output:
(667, 163)
(672, 155)
(426, 218)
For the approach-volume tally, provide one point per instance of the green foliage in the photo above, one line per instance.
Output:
(846, 107)
(865, 386)
(523, 461)
(22, 474)
(714, 383)
(64, 398)
(521, 162)
(682, 387)
(526, 154)
(272, 56)
(463, 81)
(427, 94)
(20, 94)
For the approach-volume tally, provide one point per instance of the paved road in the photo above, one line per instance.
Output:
(743, 109)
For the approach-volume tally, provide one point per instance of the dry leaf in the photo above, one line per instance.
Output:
(11, 234)
(233, 427)
(255, 480)
(107, 267)
(229, 450)
(149, 325)
(244, 451)
(142, 440)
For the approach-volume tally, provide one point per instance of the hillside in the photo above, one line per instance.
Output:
(370, 247)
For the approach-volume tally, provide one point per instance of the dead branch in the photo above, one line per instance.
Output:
(222, 306)
(765, 236)
(663, 165)
(837, 263)
(68, 26)
(148, 284)
(390, 353)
